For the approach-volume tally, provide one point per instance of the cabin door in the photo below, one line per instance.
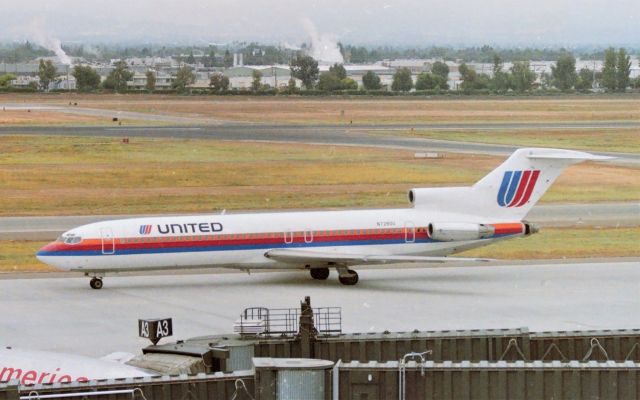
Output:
(409, 232)
(108, 241)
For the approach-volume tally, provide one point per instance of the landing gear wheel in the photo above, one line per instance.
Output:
(95, 283)
(320, 273)
(349, 279)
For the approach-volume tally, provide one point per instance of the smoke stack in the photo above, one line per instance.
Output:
(235, 59)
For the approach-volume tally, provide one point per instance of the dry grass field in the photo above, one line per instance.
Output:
(71, 175)
(75, 175)
(43, 117)
(358, 110)
(558, 243)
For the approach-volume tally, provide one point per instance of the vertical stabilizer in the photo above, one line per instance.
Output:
(514, 187)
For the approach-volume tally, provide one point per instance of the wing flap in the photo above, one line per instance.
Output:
(297, 256)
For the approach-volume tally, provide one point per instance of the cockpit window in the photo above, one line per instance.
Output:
(70, 238)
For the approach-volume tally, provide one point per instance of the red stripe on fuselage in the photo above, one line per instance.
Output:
(244, 239)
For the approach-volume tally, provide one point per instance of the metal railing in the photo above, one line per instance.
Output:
(285, 321)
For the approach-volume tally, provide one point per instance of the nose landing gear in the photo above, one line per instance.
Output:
(96, 283)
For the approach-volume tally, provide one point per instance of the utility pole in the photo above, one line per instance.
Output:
(275, 76)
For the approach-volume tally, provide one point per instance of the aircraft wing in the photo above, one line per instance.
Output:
(297, 256)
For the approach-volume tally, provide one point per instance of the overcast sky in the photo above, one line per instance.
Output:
(408, 22)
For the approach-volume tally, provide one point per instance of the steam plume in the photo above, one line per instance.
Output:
(324, 48)
(37, 32)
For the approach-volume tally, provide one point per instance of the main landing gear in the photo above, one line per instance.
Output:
(347, 276)
(95, 283)
(320, 273)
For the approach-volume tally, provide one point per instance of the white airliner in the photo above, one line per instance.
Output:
(441, 221)
(44, 367)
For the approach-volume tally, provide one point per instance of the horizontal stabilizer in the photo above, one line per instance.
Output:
(298, 256)
(558, 154)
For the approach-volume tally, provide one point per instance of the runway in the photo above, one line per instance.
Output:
(342, 135)
(550, 215)
(64, 314)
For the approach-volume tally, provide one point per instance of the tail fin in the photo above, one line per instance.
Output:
(517, 185)
(509, 191)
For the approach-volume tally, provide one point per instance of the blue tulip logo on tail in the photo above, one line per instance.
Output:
(145, 229)
(516, 187)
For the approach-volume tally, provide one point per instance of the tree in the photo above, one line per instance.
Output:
(219, 83)
(47, 73)
(151, 81)
(402, 81)
(184, 77)
(118, 77)
(291, 86)
(440, 69)
(469, 78)
(585, 79)
(6, 79)
(371, 81)
(210, 60)
(564, 72)
(349, 84)
(336, 79)
(545, 80)
(522, 77)
(228, 59)
(256, 84)
(86, 78)
(306, 69)
(339, 71)
(500, 79)
(329, 82)
(609, 73)
(623, 70)
(191, 59)
(427, 81)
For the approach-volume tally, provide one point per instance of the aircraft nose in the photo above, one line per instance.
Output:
(47, 254)
(46, 250)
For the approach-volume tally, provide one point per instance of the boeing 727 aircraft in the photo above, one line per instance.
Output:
(441, 221)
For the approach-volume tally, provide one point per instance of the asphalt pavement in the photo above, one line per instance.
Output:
(60, 312)
(343, 135)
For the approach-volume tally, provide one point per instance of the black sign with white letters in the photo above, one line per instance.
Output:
(155, 329)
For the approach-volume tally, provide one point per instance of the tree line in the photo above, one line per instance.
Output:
(519, 78)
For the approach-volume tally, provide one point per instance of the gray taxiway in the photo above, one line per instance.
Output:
(337, 135)
(60, 312)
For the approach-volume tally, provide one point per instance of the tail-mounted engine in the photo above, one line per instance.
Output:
(455, 231)
(460, 231)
